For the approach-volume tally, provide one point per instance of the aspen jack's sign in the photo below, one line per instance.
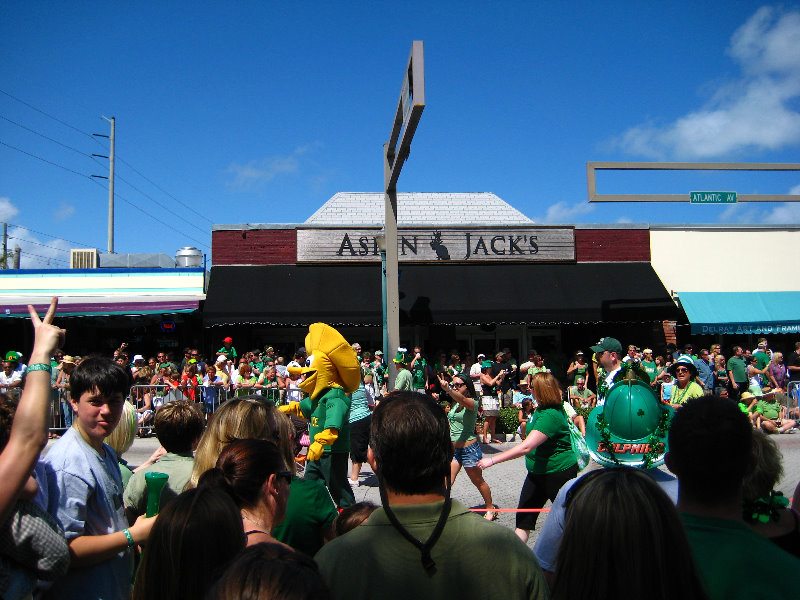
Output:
(513, 244)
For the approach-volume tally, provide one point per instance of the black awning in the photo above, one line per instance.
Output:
(457, 294)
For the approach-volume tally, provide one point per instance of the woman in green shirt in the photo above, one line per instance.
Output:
(549, 457)
(466, 450)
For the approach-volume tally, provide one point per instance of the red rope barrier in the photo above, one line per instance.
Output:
(511, 510)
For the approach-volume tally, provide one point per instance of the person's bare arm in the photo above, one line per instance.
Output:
(88, 550)
(29, 430)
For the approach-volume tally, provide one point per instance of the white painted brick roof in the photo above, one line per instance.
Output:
(418, 209)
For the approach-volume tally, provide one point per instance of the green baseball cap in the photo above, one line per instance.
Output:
(402, 356)
(632, 414)
(607, 344)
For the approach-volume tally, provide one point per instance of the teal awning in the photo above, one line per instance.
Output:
(742, 312)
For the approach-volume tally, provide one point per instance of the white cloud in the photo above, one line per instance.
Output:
(624, 220)
(795, 191)
(258, 172)
(38, 254)
(64, 212)
(787, 213)
(757, 111)
(7, 209)
(562, 212)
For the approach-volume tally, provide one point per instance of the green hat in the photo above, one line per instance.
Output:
(13, 356)
(607, 344)
(402, 356)
(633, 422)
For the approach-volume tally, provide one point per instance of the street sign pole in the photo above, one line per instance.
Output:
(407, 114)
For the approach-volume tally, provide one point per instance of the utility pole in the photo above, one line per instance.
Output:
(111, 189)
(110, 178)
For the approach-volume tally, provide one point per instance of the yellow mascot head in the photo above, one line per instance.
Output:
(331, 362)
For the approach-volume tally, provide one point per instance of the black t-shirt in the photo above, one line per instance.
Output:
(505, 384)
(793, 361)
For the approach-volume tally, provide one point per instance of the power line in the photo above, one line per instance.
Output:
(27, 241)
(44, 136)
(144, 212)
(159, 203)
(49, 162)
(45, 114)
(50, 235)
(115, 195)
(154, 184)
(162, 190)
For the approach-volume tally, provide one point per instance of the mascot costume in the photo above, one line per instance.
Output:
(330, 373)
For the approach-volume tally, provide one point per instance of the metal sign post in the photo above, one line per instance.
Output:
(409, 110)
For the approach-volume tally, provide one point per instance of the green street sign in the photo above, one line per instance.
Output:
(712, 197)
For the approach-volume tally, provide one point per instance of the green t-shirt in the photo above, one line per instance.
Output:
(556, 453)
(681, 396)
(309, 512)
(739, 369)
(718, 547)
(403, 381)
(329, 411)
(462, 422)
(762, 360)
(770, 410)
(418, 374)
(651, 369)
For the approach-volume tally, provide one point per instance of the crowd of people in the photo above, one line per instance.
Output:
(232, 517)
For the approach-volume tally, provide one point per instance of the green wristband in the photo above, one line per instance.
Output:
(40, 367)
(128, 535)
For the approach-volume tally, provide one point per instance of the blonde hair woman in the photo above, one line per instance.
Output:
(238, 418)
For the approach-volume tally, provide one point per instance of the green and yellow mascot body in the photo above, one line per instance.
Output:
(330, 373)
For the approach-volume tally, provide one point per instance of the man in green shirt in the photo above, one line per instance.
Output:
(771, 415)
(419, 543)
(403, 382)
(737, 374)
(419, 370)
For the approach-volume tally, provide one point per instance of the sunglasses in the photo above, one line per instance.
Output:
(681, 370)
(456, 384)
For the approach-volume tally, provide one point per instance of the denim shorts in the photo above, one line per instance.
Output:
(469, 455)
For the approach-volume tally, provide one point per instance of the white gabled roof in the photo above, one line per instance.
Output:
(418, 209)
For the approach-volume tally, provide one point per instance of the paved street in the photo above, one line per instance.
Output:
(506, 479)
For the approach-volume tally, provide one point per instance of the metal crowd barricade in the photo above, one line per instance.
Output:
(793, 399)
(149, 398)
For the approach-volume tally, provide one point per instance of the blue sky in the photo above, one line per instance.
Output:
(261, 111)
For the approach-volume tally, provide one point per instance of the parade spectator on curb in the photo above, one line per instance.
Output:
(763, 356)
(62, 383)
(766, 511)
(710, 502)
(720, 374)
(580, 396)
(793, 363)
(754, 375)
(771, 415)
(684, 371)
(705, 372)
(178, 427)
(228, 351)
(549, 457)
(737, 374)
(424, 535)
(462, 416)
(578, 367)
(10, 379)
(626, 506)
(776, 372)
(360, 419)
(197, 535)
(404, 380)
(84, 487)
(490, 400)
(475, 374)
(649, 364)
